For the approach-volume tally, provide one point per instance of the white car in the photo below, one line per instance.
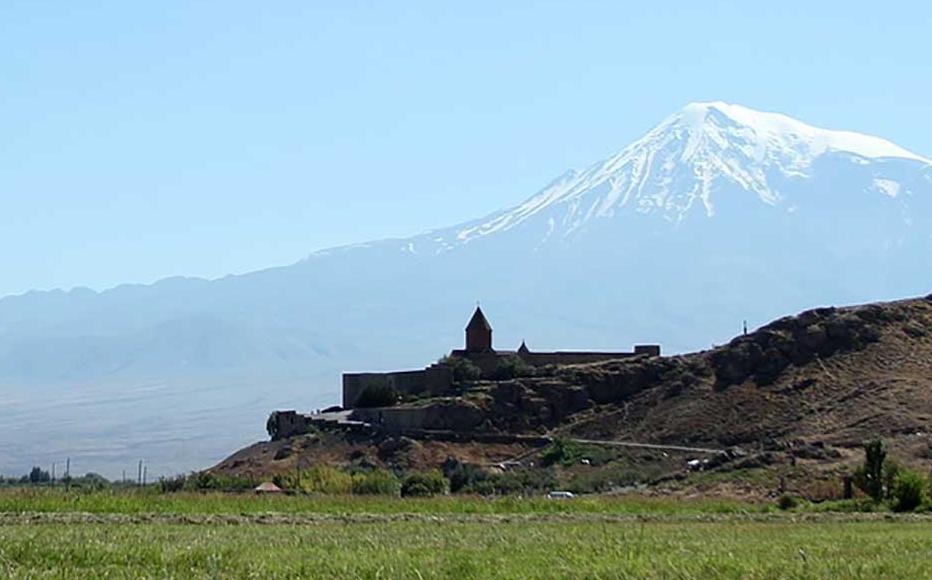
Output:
(560, 495)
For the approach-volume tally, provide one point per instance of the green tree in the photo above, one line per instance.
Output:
(377, 396)
(870, 477)
(39, 475)
(513, 366)
(271, 425)
(463, 369)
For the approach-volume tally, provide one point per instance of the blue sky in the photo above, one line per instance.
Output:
(144, 140)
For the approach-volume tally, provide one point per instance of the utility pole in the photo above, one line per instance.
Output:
(53, 472)
(139, 473)
(145, 473)
(124, 476)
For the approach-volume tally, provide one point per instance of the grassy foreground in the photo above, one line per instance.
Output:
(52, 533)
(471, 550)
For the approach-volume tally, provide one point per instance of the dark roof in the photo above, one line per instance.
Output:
(478, 321)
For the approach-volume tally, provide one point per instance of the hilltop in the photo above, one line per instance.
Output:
(793, 399)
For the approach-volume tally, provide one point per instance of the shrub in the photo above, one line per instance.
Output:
(820, 490)
(787, 502)
(205, 481)
(200, 481)
(557, 452)
(602, 480)
(318, 479)
(469, 478)
(512, 366)
(518, 482)
(172, 484)
(569, 453)
(91, 480)
(235, 483)
(463, 369)
(462, 475)
(908, 491)
(377, 396)
(423, 484)
(376, 482)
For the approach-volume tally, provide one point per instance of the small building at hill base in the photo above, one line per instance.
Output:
(437, 379)
(268, 487)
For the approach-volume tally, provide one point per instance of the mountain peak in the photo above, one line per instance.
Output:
(683, 165)
(784, 131)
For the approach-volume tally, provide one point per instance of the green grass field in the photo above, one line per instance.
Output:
(56, 534)
(137, 502)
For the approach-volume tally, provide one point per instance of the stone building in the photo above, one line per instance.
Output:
(437, 379)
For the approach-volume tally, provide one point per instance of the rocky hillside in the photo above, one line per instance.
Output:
(838, 376)
(811, 387)
(835, 374)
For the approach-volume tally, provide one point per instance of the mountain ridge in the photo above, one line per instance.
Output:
(693, 117)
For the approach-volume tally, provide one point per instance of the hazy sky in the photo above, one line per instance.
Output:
(143, 140)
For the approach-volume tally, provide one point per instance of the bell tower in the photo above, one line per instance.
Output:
(478, 333)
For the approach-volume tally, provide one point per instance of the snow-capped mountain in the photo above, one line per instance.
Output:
(675, 170)
(717, 215)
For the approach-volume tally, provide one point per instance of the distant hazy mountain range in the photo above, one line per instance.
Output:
(719, 214)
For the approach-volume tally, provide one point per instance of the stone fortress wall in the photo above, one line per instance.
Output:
(578, 357)
(434, 380)
(487, 361)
